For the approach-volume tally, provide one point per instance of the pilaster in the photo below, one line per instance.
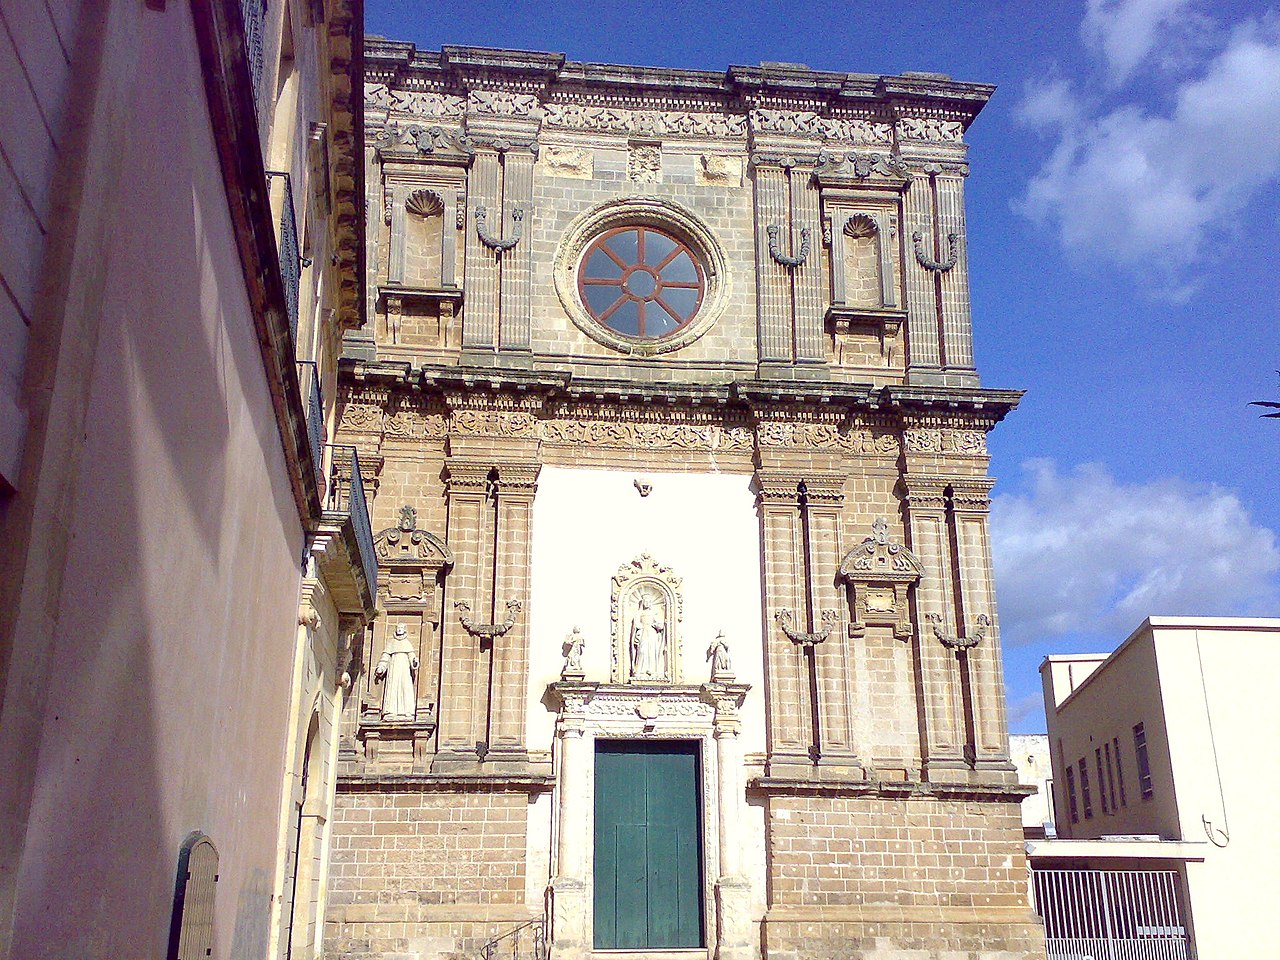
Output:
(484, 197)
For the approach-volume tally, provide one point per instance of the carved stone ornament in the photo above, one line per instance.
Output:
(646, 607)
(644, 163)
(424, 203)
(423, 139)
(405, 544)
(502, 103)
(487, 631)
(573, 647)
(933, 129)
(498, 244)
(971, 638)
(926, 261)
(863, 165)
(962, 443)
(800, 123)
(721, 663)
(786, 620)
(655, 123)
(419, 103)
(878, 573)
(795, 259)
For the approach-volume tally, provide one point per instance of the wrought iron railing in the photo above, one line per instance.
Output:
(1112, 914)
(313, 403)
(346, 495)
(290, 252)
(254, 14)
(526, 942)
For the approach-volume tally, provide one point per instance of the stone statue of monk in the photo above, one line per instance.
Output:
(396, 669)
(648, 643)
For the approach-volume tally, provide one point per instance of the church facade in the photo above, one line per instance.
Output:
(687, 637)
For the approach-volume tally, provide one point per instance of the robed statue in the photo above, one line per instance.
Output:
(396, 670)
(648, 642)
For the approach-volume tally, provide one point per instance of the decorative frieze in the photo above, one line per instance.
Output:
(502, 103)
(800, 123)
(961, 443)
(932, 129)
(644, 163)
(652, 123)
(439, 106)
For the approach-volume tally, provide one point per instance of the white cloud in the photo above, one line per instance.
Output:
(1027, 711)
(1125, 32)
(1084, 553)
(1151, 188)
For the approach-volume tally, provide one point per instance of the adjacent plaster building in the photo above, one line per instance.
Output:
(184, 554)
(1160, 772)
(677, 450)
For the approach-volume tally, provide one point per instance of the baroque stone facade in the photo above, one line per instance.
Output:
(679, 452)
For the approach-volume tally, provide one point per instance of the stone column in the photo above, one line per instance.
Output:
(923, 351)
(937, 675)
(809, 278)
(970, 507)
(957, 333)
(570, 886)
(773, 282)
(462, 707)
(786, 672)
(396, 252)
(517, 263)
(733, 890)
(517, 484)
(480, 312)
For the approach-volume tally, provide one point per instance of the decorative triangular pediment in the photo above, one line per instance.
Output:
(406, 544)
(879, 560)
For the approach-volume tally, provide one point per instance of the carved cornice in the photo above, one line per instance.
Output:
(925, 493)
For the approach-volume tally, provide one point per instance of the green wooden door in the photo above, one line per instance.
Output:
(648, 861)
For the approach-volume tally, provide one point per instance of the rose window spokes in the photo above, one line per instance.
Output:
(641, 282)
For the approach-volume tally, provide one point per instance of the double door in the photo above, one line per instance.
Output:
(648, 846)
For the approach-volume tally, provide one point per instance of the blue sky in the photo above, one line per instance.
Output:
(1123, 207)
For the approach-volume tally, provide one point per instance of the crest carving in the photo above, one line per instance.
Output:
(406, 544)
(646, 607)
(878, 573)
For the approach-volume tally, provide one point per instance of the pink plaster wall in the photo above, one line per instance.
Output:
(173, 651)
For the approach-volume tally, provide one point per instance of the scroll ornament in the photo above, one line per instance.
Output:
(790, 262)
(786, 620)
(487, 631)
(928, 262)
(497, 243)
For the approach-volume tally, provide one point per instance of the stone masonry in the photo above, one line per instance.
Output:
(819, 406)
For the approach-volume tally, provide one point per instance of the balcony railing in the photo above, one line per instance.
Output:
(290, 252)
(313, 403)
(254, 13)
(346, 496)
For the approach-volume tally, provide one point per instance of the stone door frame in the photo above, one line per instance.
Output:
(708, 714)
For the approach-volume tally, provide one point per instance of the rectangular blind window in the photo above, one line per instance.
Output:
(1144, 762)
(1085, 795)
(1072, 806)
(1115, 746)
(1102, 780)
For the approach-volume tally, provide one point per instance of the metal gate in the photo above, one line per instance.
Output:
(1112, 914)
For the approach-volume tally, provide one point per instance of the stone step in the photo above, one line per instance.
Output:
(693, 953)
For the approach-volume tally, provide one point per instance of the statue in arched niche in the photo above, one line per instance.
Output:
(646, 605)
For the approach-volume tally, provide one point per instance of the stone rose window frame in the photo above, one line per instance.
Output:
(650, 214)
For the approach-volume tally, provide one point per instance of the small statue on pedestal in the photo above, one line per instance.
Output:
(396, 670)
(572, 649)
(721, 665)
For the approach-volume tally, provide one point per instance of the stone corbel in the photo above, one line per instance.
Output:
(487, 631)
(495, 243)
(926, 261)
(786, 620)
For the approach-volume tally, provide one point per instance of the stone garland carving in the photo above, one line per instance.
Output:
(970, 640)
(825, 436)
(806, 124)
(361, 417)
(487, 631)
(937, 266)
(411, 425)
(500, 423)
(661, 123)
(786, 620)
(964, 443)
(646, 608)
(932, 129)
(502, 103)
(788, 261)
(650, 436)
(417, 102)
(498, 244)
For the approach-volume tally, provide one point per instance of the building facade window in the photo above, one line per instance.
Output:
(641, 282)
(1144, 762)
(1115, 748)
(1102, 780)
(191, 926)
(1073, 807)
(1085, 795)
(1111, 776)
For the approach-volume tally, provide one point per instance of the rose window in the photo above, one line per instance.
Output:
(641, 282)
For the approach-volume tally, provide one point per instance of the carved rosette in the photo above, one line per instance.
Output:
(878, 573)
(646, 606)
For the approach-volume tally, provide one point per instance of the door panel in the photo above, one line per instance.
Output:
(648, 864)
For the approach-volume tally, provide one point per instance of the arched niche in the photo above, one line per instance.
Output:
(647, 609)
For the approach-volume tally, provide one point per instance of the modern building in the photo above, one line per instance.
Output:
(1164, 801)
(677, 450)
(184, 554)
(1030, 755)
